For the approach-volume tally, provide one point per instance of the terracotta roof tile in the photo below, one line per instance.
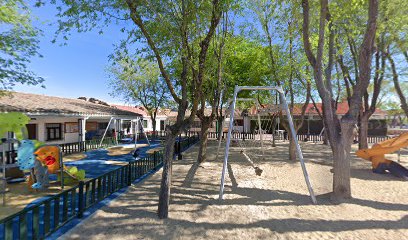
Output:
(35, 103)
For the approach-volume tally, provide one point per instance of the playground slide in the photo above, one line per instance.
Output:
(377, 156)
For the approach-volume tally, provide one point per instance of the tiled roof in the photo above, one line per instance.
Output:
(342, 109)
(142, 111)
(41, 104)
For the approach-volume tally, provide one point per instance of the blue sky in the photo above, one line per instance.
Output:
(74, 70)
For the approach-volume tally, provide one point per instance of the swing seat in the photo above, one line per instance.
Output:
(258, 171)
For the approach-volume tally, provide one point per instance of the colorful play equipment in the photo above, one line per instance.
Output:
(33, 156)
(376, 154)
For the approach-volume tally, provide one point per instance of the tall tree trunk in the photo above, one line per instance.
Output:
(154, 127)
(341, 162)
(164, 196)
(273, 132)
(220, 127)
(202, 152)
(325, 137)
(292, 149)
(363, 131)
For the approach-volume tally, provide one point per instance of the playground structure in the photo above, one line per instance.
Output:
(267, 127)
(380, 164)
(137, 126)
(259, 137)
(40, 160)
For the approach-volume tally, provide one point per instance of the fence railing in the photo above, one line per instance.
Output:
(44, 218)
(184, 143)
(158, 134)
(68, 148)
(300, 137)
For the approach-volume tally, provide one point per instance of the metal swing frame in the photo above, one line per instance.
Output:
(284, 105)
(224, 120)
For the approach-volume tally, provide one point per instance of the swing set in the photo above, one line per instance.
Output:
(263, 135)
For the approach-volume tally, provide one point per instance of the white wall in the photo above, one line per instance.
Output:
(150, 123)
(42, 134)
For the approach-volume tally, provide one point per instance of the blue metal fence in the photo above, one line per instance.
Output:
(41, 219)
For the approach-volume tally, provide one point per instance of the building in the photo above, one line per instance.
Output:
(56, 120)
(146, 120)
(313, 123)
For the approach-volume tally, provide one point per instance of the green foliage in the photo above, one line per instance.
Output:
(138, 81)
(13, 122)
(246, 63)
(18, 44)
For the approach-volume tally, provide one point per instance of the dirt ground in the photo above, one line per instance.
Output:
(274, 205)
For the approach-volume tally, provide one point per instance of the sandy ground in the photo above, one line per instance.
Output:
(74, 157)
(275, 205)
(116, 151)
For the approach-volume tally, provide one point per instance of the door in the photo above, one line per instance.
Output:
(32, 131)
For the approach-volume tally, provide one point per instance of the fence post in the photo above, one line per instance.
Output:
(129, 174)
(179, 157)
(81, 199)
(154, 159)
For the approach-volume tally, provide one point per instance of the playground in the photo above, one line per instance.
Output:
(95, 163)
(275, 205)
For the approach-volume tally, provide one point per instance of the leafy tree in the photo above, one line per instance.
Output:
(213, 87)
(395, 26)
(139, 81)
(391, 23)
(178, 30)
(280, 23)
(397, 85)
(340, 131)
(18, 44)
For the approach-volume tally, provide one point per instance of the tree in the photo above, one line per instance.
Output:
(180, 30)
(213, 87)
(391, 25)
(340, 132)
(398, 89)
(396, 27)
(139, 81)
(279, 24)
(18, 44)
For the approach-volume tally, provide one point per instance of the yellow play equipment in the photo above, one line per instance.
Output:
(50, 156)
(377, 156)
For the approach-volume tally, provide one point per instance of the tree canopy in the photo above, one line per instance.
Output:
(18, 44)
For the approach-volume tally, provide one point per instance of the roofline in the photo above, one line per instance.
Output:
(130, 116)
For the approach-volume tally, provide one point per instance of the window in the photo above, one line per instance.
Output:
(53, 131)
(144, 123)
